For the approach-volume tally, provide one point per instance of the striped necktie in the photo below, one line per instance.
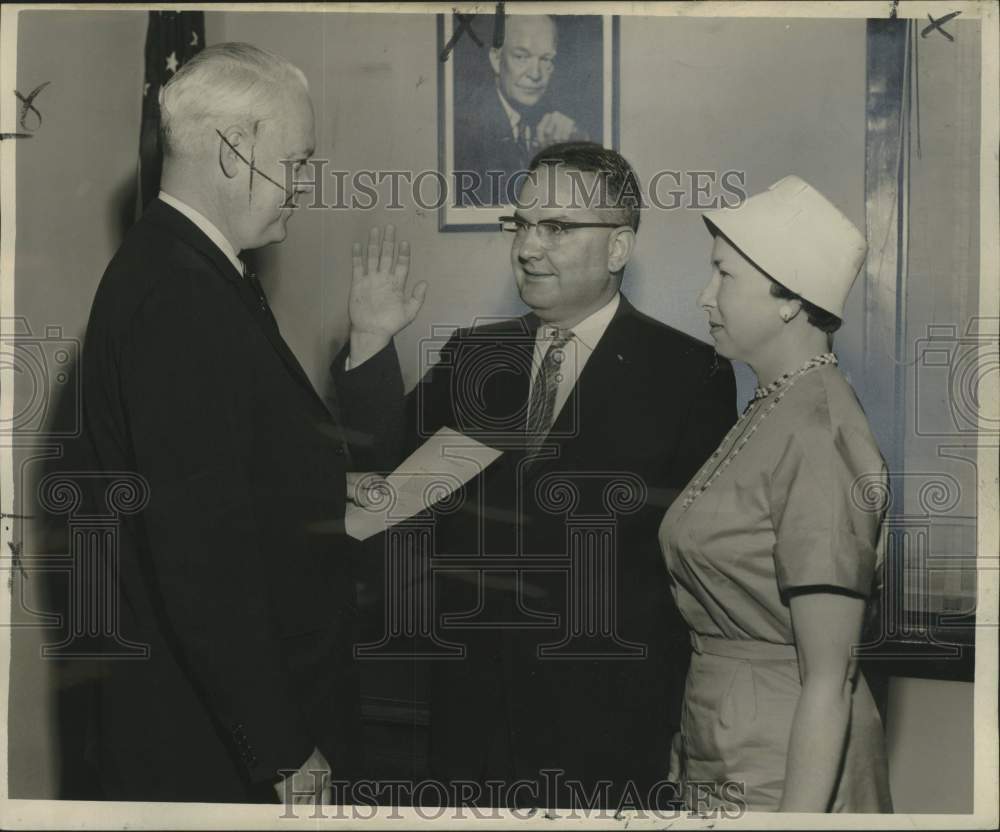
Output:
(524, 135)
(543, 395)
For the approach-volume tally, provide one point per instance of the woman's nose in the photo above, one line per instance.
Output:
(707, 297)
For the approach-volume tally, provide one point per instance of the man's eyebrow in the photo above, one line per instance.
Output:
(556, 218)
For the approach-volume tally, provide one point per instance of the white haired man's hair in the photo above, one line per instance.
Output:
(223, 85)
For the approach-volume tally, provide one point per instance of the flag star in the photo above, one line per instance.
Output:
(172, 62)
(194, 38)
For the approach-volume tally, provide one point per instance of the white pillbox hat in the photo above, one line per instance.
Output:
(799, 238)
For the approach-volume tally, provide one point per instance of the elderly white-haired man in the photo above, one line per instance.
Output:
(231, 573)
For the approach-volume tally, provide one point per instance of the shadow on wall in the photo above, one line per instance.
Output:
(71, 681)
(123, 207)
(72, 678)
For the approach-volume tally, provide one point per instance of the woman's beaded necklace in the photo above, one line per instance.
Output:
(745, 427)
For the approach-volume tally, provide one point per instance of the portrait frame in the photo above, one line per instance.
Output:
(453, 216)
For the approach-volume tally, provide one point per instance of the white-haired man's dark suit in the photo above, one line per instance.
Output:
(236, 574)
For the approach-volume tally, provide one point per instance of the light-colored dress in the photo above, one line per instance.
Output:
(793, 497)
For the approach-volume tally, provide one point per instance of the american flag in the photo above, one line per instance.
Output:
(172, 39)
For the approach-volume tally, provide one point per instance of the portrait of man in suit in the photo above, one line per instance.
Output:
(603, 414)
(231, 575)
(508, 109)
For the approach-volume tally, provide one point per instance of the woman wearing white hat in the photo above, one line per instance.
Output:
(773, 555)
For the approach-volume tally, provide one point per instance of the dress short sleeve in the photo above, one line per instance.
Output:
(826, 531)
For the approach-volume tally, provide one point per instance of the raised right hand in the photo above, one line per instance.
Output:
(380, 305)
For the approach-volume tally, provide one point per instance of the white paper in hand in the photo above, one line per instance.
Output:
(432, 473)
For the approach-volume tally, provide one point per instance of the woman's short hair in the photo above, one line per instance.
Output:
(819, 318)
(227, 84)
(619, 185)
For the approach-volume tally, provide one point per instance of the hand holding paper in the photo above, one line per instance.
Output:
(438, 468)
(366, 489)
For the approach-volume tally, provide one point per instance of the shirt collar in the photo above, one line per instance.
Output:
(207, 227)
(589, 331)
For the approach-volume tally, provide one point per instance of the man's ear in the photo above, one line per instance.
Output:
(232, 146)
(495, 60)
(621, 244)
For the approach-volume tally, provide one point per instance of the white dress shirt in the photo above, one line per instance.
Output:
(207, 226)
(577, 351)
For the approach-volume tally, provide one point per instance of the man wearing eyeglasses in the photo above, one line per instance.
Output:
(230, 574)
(575, 654)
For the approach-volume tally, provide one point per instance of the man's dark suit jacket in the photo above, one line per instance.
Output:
(650, 406)
(236, 573)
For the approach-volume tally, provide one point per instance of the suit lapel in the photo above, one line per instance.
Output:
(507, 370)
(269, 326)
(180, 226)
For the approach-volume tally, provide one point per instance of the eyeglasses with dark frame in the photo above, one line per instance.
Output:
(550, 232)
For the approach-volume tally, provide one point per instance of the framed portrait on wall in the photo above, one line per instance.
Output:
(552, 78)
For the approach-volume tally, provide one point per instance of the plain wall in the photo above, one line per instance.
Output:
(75, 198)
(770, 97)
(929, 734)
